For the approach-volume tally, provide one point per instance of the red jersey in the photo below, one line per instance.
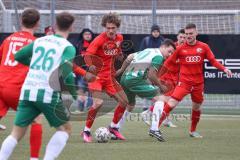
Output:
(191, 59)
(84, 47)
(106, 50)
(12, 72)
(172, 69)
(176, 44)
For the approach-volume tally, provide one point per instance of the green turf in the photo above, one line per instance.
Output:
(221, 142)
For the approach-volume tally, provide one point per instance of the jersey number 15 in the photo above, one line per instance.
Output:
(12, 49)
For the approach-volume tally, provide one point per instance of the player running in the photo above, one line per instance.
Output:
(104, 49)
(191, 57)
(13, 74)
(141, 78)
(168, 75)
(45, 56)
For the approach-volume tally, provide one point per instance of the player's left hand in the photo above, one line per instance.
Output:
(120, 57)
(164, 88)
(228, 72)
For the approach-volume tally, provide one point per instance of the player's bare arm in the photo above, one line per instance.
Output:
(80, 71)
(215, 63)
(127, 61)
(152, 76)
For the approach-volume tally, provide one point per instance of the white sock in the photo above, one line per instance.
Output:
(7, 148)
(157, 111)
(34, 159)
(87, 129)
(56, 145)
(123, 119)
(113, 125)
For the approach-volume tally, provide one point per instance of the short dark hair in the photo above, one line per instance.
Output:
(168, 42)
(30, 17)
(181, 31)
(190, 26)
(64, 20)
(111, 18)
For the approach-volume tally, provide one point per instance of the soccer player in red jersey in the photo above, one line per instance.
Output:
(191, 57)
(104, 49)
(13, 74)
(181, 37)
(170, 71)
(170, 78)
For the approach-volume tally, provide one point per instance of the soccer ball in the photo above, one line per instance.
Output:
(102, 135)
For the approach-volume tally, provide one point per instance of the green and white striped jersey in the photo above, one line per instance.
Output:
(42, 81)
(142, 61)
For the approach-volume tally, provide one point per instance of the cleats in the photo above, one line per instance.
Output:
(195, 135)
(156, 134)
(87, 137)
(169, 124)
(116, 134)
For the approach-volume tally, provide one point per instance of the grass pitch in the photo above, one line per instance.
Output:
(221, 141)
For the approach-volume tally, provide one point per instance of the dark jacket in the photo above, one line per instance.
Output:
(80, 48)
(151, 42)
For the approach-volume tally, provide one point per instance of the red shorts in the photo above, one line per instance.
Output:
(110, 85)
(182, 89)
(9, 97)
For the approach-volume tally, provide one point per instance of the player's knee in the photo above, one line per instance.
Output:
(196, 106)
(97, 103)
(38, 120)
(66, 128)
(172, 102)
(123, 102)
(130, 108)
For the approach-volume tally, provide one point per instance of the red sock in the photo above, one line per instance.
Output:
(151, 108)
(118, 113)
(166, 110)
(92, 112)
(35, 139)
(195, 119)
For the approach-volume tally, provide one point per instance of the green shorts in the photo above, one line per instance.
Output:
(138, 87)
(54, 112)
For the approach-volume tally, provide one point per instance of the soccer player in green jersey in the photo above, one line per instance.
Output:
(47, 57)
(140, 77)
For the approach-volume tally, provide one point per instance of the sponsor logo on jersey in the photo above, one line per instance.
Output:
(193, 59)
(199, 50)
(111, 48)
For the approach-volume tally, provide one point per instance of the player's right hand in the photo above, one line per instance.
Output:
(228, 72)
(89, 77)
(92, 69)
